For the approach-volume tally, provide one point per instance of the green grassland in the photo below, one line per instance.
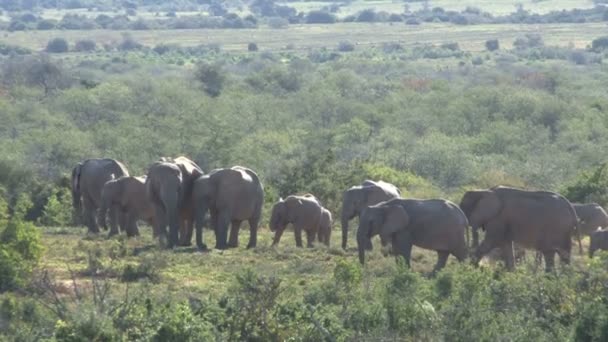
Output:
(185, 271)
(303, 37)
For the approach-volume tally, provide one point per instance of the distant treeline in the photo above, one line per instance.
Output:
(217, 16)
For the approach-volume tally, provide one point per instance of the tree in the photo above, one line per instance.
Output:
(320, 17)
(57, 45)
(599, 44)
(212, 78)
(492, 45)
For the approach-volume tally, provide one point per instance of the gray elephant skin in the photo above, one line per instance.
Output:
(303, 212)
(434, 224)
(169, 186)
(88, 179)
(540, 220)
(591, 216)
(598, 240)
(359, 197)
(129, 195)
(325, 227)
(231, 196)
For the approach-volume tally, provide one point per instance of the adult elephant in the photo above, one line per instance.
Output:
(231, 196)
(359, 197)
(434, 224)
(88, 179)
(591, 217)
(169, 187)
(540, 220)
(303, 212)
(129, 195)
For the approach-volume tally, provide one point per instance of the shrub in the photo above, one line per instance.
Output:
(58, 209)
(46, 24)
(345, 46)
(252, 47)
(492, 45)
(212, 77)
(599, 44)
(367, 16)
(85, 45)
(589, 186)
(20, 251)
(57, 45)
(320, 17)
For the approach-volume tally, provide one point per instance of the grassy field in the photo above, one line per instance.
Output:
(70, 255)
(302, 37)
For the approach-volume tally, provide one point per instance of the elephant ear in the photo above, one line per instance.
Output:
(395, 219)
(486, 207)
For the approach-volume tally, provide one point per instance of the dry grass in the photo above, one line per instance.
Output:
(303, 37)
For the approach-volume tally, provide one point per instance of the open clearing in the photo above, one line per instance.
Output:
(302, 37)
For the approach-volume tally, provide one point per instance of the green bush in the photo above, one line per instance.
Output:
(58, 209)
(57, 45)
(20, 251)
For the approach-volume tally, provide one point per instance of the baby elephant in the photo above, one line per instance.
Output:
(434, 224)
(599, 240)
(304, 212)
(325, 226)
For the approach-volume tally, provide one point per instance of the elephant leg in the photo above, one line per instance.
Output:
(253, 232)
(277, 237)
(508, 256)
(114, 218)
(161, 222)
(186, 230)
(89, 216)
(132, 229)
(442, 259)
(235, 226)
(549, 260)
(223, 221)
(310, 239)
(298, 233)
(402, 248)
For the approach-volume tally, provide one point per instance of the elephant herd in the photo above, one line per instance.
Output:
(177, 198)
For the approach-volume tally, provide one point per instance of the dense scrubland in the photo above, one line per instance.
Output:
(434, 119)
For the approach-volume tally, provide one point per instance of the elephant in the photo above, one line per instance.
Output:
(434, 224)
(591, 216)
(599, 240)
(304, 212)
(357, 198)
(231, 196)
(169, 186)
(129, 194)
(88, 179)
(325, 227)
(539, 220)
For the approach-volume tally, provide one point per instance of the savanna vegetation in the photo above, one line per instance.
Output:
(435, 119)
